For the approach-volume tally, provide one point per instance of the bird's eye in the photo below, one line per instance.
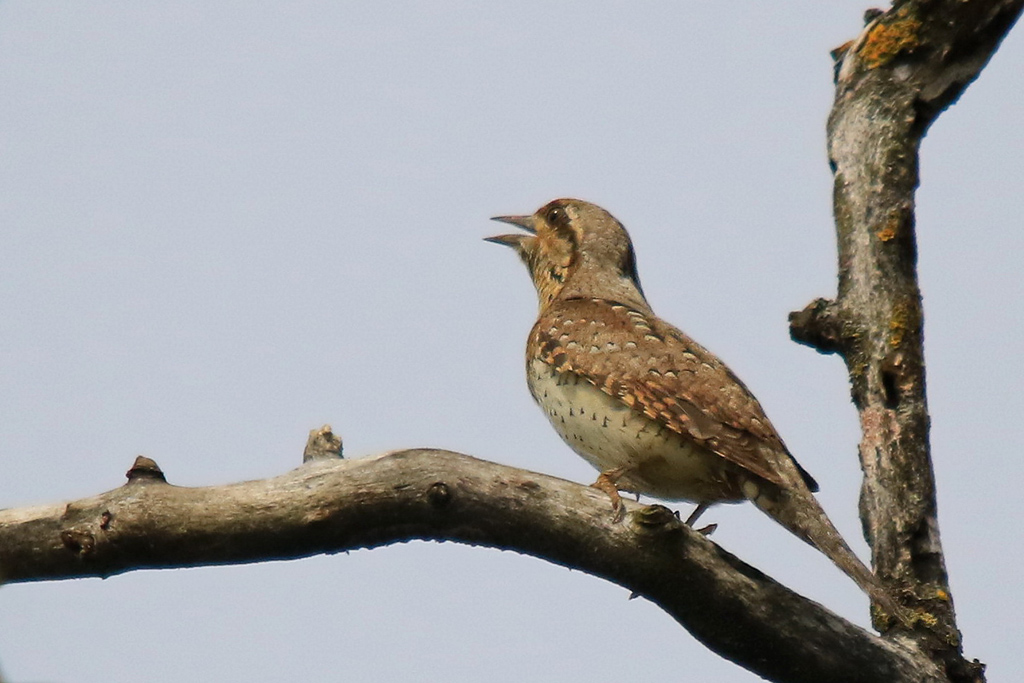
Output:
(555, 216)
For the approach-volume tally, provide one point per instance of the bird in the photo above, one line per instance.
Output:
(652, 410)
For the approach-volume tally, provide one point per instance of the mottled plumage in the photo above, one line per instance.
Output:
(652, 410)
(674, 380)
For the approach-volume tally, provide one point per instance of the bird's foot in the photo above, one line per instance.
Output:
(697, 512)
(607, 482)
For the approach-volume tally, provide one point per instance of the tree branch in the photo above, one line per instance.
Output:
(891, 83)
(905, 68)
(330, 505)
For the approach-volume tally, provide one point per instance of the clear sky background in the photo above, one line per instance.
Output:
(223, 224)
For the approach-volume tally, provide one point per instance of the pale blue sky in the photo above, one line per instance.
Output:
(225, 223)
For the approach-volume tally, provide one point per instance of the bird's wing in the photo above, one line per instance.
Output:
(658, 370)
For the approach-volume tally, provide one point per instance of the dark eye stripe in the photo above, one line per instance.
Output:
(629, 269)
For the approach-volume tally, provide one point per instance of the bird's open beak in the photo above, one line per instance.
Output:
(515, 241)
(524, 222)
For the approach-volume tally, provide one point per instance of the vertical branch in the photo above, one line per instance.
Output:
(904, 69)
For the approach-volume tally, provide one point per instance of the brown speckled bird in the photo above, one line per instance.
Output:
(654, 411)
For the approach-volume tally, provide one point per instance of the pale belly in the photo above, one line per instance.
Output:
(610, 435)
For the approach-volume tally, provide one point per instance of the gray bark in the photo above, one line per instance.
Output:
(905, 68)
(330, 505)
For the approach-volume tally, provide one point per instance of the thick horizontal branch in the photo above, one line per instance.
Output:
(330, 505)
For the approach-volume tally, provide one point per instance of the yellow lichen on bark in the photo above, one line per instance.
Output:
(898, 322)
(888, 38)
(887, 231)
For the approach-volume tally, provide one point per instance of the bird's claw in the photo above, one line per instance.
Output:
(606, 482)
(697, 512)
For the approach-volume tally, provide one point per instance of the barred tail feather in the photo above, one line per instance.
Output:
(799, 512)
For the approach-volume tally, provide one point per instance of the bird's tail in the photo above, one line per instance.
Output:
(800, 512)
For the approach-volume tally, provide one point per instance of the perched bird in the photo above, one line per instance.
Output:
(655, 412)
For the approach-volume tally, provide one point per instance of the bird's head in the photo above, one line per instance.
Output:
(576, 249)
